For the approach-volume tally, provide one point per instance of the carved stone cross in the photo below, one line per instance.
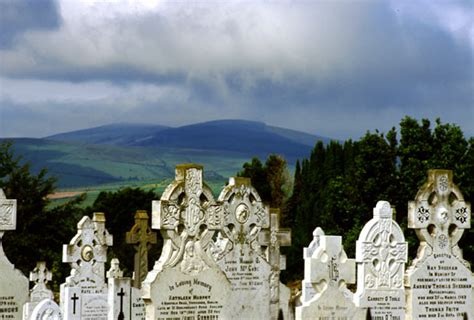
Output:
(439, 215)
(7, 216)
(274, 239)
(87, 251)
(142, 237)
(382, 250)
(329, 264)
(40, 276)
(187, 216)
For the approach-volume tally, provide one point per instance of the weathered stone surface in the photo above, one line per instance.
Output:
(142, 237)
(329, 270)
(40, 276)
(381, 254)
(307, 289)
(84, 294)
(186, 282)
(47, 309)
(13, 284)
(439, 282)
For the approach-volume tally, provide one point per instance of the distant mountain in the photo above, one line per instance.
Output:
(119, 134)
(240, 136)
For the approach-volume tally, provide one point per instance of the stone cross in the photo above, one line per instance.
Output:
(274, 239)
(40, 276)
(87, 252)
(439, 216)
(381, 254)
(142, 237)
(334, 270)
(189, 203)
(308, 291)
(7, 216)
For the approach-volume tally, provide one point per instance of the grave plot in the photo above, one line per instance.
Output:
(381, 254)
(439, 282)
(185, 282)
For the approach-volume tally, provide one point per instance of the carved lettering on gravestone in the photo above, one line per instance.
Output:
(381, 254)
(439, 282)
(13, 284)
(84, 294)
(186, 280)
(243, 260)
(142, 237)
(329, 271)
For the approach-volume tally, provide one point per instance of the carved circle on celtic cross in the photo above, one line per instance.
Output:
(242, 213)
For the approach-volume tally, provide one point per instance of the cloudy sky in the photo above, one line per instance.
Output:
(333, 68)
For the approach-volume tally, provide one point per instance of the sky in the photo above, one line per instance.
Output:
(332, 68)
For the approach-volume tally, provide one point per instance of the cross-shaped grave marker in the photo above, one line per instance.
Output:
(7, 216)
(187, 202)
(142, 237)
(40, 276)
(87, 251)
(274, 239)
(439, 215)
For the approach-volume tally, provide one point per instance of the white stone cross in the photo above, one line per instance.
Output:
(7, 217)
(439, 214)
(244, 213)
(87, 251)
(40, 276)
(274, 239)
(382, 250)
(193, 208)
(329, 264)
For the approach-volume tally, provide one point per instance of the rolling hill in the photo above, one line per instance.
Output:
(124, 154)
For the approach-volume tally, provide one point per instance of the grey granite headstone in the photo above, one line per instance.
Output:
(439, 282)
(185, 282)
(13, 284)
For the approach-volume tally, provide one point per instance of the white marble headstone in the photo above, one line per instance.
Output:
(84, 294)
(13, 284)
(329, 270)
(47, 309)
(439, 282)
(124, 300)
(185, 282)
(40, 276)
(381, 254)
(307, 289)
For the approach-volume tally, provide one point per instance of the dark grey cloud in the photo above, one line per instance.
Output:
(19, 16)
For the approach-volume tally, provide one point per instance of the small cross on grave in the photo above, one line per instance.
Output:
(121, 294)
(142, 237)
(74, 299)
(188, 203)
(40, 276)
(7, 216)
(439, 213)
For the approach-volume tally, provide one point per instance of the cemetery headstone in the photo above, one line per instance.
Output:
(329, 270)
(381, 254)
(275, 238)
(185, 282)
(84, 294)
(307, 289)
(13, 284)
(124, 300)
(40, 276)
(439, 282)
(47, 309)
(244, 263)
(142, 237)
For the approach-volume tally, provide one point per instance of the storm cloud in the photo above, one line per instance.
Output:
(331, 68)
